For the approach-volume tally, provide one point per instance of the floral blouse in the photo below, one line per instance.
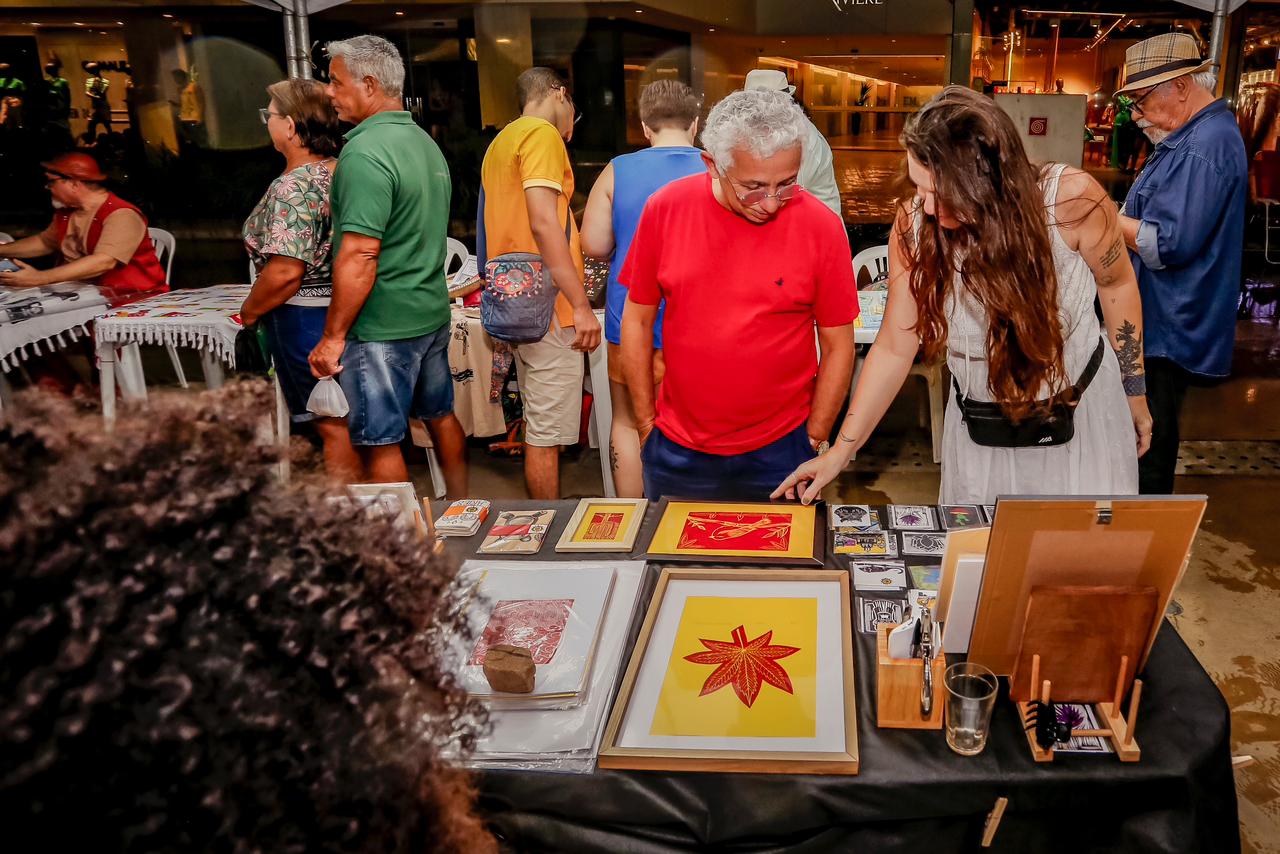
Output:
(292, 219)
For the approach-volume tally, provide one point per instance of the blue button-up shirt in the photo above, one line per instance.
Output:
(1190, 199)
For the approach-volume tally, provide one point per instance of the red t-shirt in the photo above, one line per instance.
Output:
(742, 301)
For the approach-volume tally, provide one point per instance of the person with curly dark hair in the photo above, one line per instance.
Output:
(199, 658)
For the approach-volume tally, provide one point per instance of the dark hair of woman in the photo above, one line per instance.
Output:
(199, 658)
(1002, 249)
(314, 118)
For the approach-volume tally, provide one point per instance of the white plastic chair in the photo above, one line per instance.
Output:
(166, 246)
(455, 250)
(875, 261)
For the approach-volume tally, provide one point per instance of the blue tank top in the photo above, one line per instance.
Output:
(636, 177)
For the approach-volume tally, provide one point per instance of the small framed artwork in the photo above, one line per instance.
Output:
(603, 525)
(743, 533)
(402, 494)
(740, 670)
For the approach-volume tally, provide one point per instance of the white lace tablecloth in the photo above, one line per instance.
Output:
(40, 320)
(206, 318)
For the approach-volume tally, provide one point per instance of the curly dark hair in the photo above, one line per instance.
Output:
(199, 658)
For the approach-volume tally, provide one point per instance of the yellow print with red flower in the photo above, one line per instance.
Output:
(741, 667)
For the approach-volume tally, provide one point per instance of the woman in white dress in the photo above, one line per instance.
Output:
(994, 265)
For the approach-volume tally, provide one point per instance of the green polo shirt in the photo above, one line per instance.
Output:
(392, 183)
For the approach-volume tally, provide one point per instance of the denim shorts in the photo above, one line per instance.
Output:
(292, 333)
(389, 382)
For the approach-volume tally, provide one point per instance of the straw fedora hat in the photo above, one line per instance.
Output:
(1152, 62)
(769, 80)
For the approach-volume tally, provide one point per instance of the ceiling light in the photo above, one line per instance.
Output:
(165, 15)
(711, 29)
(503, 41)
(79, 23)
(399, 14)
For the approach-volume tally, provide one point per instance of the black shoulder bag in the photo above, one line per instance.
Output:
(990, 427)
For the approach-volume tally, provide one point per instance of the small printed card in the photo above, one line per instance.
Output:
(912, 517)
(462, 518)
(877, 545)
(989, 510)
(916, 599)
(873, 612)
(927, 577)
(1081, 717)
(517, 532)
(956, 516)
(923, 544)
(879, 575)
(856, 518)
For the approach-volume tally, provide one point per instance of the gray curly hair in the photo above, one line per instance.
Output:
(371, 56)
(758, 121)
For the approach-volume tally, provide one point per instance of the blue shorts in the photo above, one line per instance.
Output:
(679, 472)
(293, 331)
(389, 382)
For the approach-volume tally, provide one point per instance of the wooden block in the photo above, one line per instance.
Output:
(898, 687)
(1081, 634)
(509, 668)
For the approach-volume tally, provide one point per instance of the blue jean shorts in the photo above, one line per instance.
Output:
(389, 382)
(292, 333)
(672, 470)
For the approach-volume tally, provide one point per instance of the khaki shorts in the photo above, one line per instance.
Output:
(615, 365)
(549, 374)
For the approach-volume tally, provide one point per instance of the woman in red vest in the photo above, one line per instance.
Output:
(98, 237)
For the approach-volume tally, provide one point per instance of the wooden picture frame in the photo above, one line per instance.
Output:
(1130, 540)
(748, 756)
(574, 536)
(405, 494)
(806, 548)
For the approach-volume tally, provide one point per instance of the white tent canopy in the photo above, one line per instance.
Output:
(1206, 5)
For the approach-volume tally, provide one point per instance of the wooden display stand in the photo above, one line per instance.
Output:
(1119, 730)
(898, 687)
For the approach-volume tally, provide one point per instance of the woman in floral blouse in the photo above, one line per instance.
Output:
(289, 237)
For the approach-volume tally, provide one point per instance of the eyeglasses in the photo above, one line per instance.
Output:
(577, 116)
(1136, 106)
(751, 198)
(265, 114)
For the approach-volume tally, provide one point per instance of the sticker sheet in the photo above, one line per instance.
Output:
(872, 612)
(879, 575)
(958, 516)
(912, 517)
(924, 544)
(856, 518)
(879, 545)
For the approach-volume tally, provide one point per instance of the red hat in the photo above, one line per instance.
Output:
(73, 164)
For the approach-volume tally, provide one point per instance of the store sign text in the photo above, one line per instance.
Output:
(842, 5)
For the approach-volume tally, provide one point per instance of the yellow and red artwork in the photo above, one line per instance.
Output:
(603, 526)
(761, 532)
(735, 530)
(741, 667)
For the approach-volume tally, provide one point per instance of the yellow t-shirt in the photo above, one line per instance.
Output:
(527, 153)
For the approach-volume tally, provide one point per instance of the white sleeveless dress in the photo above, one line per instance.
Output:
(1102, 457)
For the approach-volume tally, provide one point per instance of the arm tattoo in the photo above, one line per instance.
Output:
(1130, 354)
(1113, 254)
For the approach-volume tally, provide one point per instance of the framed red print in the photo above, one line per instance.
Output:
(603, 525)
(743, 533)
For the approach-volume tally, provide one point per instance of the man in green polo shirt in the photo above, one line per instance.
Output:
(386, 335)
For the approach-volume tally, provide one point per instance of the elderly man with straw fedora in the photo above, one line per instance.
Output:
(1183, 222)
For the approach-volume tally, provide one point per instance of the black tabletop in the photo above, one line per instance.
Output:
(912, 792)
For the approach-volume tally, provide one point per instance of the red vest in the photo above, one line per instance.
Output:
(142, 273)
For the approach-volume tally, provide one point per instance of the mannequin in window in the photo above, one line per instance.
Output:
(95, 87)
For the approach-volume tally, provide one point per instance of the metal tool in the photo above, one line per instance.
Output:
(926, 656)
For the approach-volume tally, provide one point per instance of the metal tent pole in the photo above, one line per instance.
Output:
(291, 41)
(1218, 35)
(302, 39)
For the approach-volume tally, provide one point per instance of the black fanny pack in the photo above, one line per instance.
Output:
(990, 427)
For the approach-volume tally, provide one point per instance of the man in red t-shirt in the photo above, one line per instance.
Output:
(749, 264)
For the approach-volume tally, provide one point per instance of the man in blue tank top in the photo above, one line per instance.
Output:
(669, 116)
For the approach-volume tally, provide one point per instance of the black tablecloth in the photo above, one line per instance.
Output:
(913, 793)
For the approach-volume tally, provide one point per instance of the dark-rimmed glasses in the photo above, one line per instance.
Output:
(265, 114)
(1136, 106)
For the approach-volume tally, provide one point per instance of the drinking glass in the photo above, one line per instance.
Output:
(971, 695)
